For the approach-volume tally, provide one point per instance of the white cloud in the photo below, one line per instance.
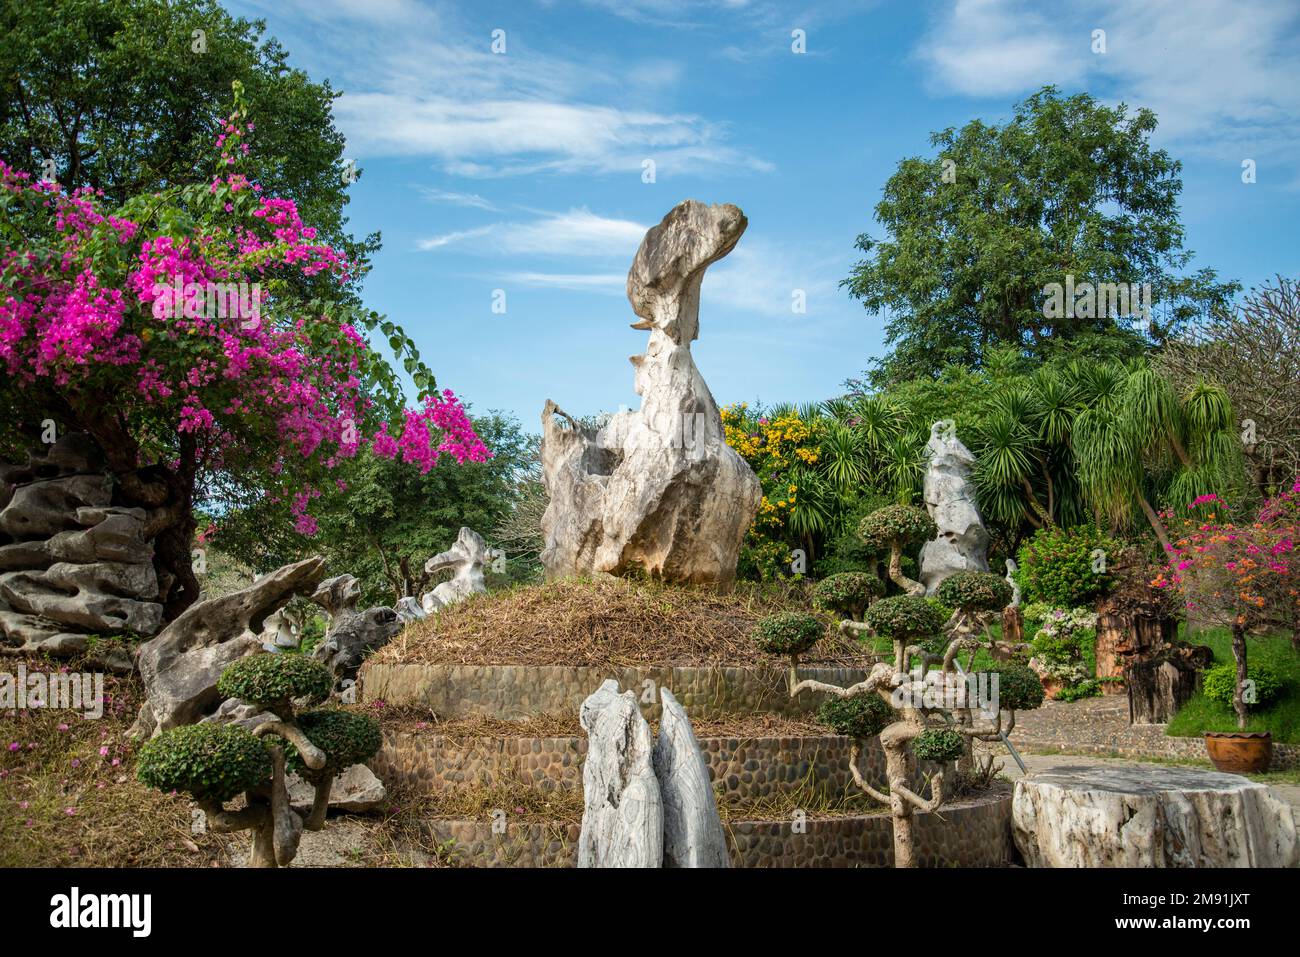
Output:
(578, 232)
(1223, 77)
(469, 200)
(577, 282)
(418, 81)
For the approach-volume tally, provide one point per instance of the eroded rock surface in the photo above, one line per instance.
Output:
(356, 791)
(1150, 816)
(466, 559)
(71, 564)
(962, 541)
(351, 633)
(623, 816)
(657, 489)
(180, 667)
(693, 835)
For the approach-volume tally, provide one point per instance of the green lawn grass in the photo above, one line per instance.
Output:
(1281, 717)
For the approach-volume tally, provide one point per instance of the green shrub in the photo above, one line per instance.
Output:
(1019, 689)
(789, 633)
(905, 618)
(1056, 566)
(975, 591)
(848, 594)
(939, 745)
(267, 679)
(213, 762)
(861, 716)
(1220, 682)
(903, 524)
(346, 739)
(1087, 688)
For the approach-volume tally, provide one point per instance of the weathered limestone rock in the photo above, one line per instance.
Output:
(280, 631)
(71, 564)
(1150, 816)
(351, 633)
(623, 818)
(466, 558)
(356, 791)
(1012, 568)
(962, 542)
(181, 666)
(657, 489)
(693, 835)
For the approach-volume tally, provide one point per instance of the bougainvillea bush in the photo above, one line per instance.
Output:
(197, 335)
(1241, 575)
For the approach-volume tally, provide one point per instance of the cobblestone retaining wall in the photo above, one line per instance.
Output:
(971, 834)
(516, 692)
(742, 768)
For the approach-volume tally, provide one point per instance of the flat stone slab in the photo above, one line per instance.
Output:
(1150, 816)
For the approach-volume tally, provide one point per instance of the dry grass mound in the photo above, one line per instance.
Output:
(608, 622)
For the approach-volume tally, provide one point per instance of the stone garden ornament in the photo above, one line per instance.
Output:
(466, 559)
(949, 491)
(648, 803)
(657, 489)
(351, 633)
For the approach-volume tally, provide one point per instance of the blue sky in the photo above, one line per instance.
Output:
(523, 171)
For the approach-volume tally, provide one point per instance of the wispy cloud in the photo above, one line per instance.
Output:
(1222, 77)
(577, 232)
(577, 282)
(452, 198)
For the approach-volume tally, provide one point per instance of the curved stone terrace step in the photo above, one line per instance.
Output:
(518, 692)
(971, 833)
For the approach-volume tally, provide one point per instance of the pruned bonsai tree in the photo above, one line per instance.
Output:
(217, 762)
(789, 634)
(918, 717)
(848, 595)
(976, 599)
(894, 529)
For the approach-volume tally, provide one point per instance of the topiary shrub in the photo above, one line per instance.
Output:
(848, 594)
(213, 762)
(861, 716)
(789, 633)
(896, 525)
(975, 591)
(346, 739)
(1220, 682)
(1019, 689)
(904, 618)
(1058, 566)
(266, 680)
(939, 745)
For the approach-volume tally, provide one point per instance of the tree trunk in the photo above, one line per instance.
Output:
(1156, 525)
(1239, 653)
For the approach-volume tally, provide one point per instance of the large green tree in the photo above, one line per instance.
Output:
(1066, 187)
(127, 96)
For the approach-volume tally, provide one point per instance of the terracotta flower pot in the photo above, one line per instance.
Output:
(1240, 752)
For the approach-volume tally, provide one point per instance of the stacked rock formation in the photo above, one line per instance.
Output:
(72, 565)
(466, 558)
(351, 633)
(962, 542)
(657, 489)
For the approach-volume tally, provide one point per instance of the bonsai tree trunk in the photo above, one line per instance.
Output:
(1239, 653)
(896, 575)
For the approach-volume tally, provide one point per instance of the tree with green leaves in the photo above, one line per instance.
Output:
(1066, 187)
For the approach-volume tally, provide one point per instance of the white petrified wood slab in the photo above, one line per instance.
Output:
(1150, 816)
(623, 816)
(693, 835)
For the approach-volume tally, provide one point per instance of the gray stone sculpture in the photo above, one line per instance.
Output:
(180, 667)
(1012, 568)
(1146, 816)
(351, 633)
(466, 558)
(657, 489)
(962, 542)
(281, 631)
(71, 564)
(623, 816)
(693, 835)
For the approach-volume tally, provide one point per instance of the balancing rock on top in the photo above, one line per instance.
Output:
(657, 489)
